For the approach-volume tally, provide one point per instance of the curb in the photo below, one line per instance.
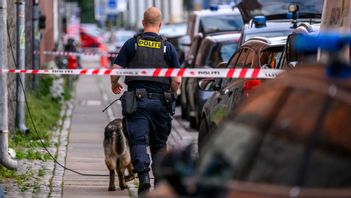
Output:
(61, 152)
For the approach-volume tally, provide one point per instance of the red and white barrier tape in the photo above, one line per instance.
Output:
(170, 72)
(64, 53)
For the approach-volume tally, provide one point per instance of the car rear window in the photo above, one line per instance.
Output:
(221, 23)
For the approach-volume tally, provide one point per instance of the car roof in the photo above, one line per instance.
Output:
(203, 13)
(269, 42)
(173, 30)
(234, 36)
(278, 9)
(270, 26)
(280, 40)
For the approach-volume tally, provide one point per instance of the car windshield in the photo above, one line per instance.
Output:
(251, 8)
(221, 23)
(221, 53)
(267, 34)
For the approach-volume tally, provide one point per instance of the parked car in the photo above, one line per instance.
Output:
(214, 49)
(91, 36)
(209, 21)
(255, 53)
(291, 139)
(118, 38)
(281, 10)
(293, 135)
(174, 32)
(291, 57)
(269, 29)
(272, 18)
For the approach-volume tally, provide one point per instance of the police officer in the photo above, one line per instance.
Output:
(151, 124)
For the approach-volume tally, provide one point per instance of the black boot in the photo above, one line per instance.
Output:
(144, 183)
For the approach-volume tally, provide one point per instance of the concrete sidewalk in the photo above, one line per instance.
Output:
(85, 150)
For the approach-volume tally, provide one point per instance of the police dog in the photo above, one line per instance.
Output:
(117, 154)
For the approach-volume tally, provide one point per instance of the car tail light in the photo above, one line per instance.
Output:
(250, 85)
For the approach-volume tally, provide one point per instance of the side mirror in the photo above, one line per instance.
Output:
(291, 53)
(42, 22)
(190, 60)
(209, 84)
(293, 64)
(206, 84)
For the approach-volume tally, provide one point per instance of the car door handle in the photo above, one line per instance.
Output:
(227, 92)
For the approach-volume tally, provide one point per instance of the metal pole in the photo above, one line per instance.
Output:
(5, 159)
(36, 42)
(154, 3)
(21, 50)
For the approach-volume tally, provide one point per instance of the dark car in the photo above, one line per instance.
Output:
(255, 53)
(174, 32)
(273, 18)
(118, 38)
(290, 57)
(280, 9)
(271, 29)
(205, 53)
(210, 21)
(291, 139)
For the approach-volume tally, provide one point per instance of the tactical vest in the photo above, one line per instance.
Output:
(149, 53)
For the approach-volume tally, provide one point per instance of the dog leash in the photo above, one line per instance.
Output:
(111, 104)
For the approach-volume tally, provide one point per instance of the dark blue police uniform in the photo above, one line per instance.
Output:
(151, 125)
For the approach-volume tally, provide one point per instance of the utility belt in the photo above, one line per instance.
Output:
(129, 100)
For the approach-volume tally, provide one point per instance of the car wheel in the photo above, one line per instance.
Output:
(193, 123)
(203, 135)
(184, 112)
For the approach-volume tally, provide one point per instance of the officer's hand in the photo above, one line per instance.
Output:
(117, 89)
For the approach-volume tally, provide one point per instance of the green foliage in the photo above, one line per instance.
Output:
(44, 110)
(87, 11)
(45, 83)
(32, 155)
(28, 141)
(23, 180)
(67, 90)
(41, 172)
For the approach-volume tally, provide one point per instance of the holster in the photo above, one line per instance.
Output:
(140, 94)
(170, 100)
(129, 103)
